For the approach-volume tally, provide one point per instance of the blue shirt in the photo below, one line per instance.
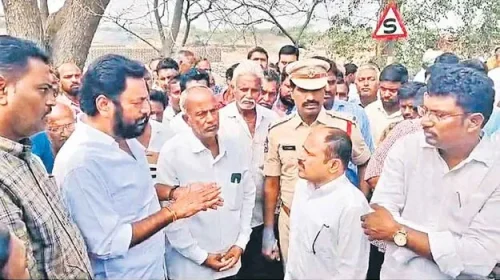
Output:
(362, 122)
(105, 191)
(43, 149)
(493, 125)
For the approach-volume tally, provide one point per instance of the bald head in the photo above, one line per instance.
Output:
(70, 77)
(60, 125)
(201, 111)
(195, 95)
(60, 112)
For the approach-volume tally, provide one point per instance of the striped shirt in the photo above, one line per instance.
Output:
(31, 207)
(376, 163)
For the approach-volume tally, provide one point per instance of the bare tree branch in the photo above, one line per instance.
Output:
(273, 19)
(189, 19)
(308, 19)
(137, 36)
(159, 25)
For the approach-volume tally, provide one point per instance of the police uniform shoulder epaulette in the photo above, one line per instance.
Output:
(281, 121)
(343, 116)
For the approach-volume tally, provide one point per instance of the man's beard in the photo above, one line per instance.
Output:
(390, 103)
(287, 101)
(125, 130)
(328, 105)
(74, 91)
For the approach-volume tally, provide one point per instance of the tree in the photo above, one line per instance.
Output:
(474, 34)
(67, 34)
(189, 18)
(251, 12)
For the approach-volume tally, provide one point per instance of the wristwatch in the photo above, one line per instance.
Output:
(400, 237)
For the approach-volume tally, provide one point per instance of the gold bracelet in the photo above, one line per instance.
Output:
(173, 213)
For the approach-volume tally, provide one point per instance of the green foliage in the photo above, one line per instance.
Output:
(476, 34)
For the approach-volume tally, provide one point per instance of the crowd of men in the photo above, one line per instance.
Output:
(303, 169)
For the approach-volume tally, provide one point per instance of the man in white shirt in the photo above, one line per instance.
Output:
(385, 110)
(209, 245)
(174, 95)
(250, 122)
(350, 79)
(428, 59)
(439, 221)
(104, 178)
(367, 84)
(326, 241)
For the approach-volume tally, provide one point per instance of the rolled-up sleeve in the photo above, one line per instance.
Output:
(89, 204)
(474, 252)
(247, 210)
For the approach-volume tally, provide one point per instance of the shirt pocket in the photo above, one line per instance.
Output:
(317, 239)
(233, 196)
(289, 160)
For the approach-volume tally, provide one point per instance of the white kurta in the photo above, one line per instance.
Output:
(420, 191)
(184, 160)
(233, 124)
(326, 238)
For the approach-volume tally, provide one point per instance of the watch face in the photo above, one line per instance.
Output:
(400, 239)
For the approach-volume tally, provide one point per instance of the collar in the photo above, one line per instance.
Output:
(232, 112)
(322, 119)
(21, 149)
(378, 105)
(338, 104)
(63, 98)
(485, 151)
(88, 132)
(155, 127)
(198, 147)
(328, 187)
(170, 110)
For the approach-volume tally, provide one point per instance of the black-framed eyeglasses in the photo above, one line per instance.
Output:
(436, 116)
(317, 235)
(61, 128)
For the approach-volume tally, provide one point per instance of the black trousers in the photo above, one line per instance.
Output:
(253, 263)
(375, 263)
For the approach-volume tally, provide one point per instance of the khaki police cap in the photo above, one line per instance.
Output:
(309, 74)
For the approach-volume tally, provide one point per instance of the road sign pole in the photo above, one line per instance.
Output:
(390, 28)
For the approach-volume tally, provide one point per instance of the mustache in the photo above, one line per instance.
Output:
(310, 103)
(248, 100)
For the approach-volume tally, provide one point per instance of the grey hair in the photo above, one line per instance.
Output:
(248, 67)
(186, 92)
(370, 66)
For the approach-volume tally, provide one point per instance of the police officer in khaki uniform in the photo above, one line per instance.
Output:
(285, 139)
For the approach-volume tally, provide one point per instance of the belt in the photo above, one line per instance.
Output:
(286, 209)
